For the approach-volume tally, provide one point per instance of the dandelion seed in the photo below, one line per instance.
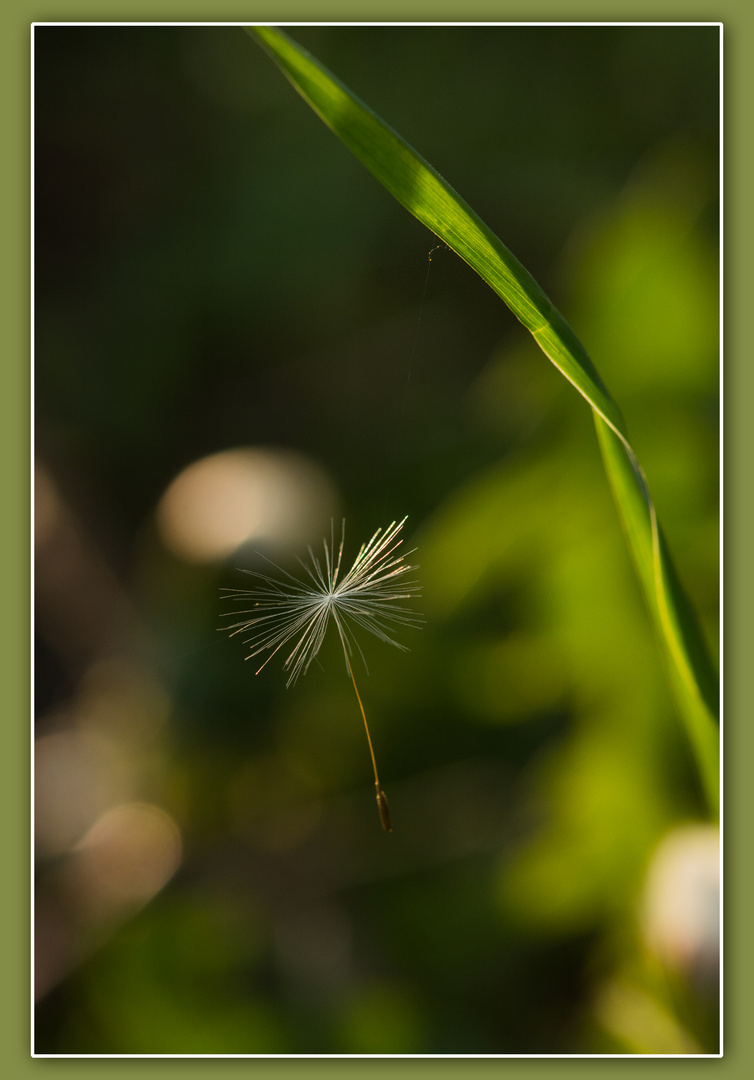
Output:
(287, 609)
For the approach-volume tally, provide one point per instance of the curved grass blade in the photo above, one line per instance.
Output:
(422, 191)
(418, 187)
(692, 676)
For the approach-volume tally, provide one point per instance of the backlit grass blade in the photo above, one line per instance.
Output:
(692, 676)
(418, 187)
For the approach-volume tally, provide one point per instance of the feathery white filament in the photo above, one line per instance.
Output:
(287, 609)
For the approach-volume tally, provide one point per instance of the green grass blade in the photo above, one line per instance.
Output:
(692, 676)
(418, 187)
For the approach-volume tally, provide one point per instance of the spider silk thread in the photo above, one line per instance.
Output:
(401, 414)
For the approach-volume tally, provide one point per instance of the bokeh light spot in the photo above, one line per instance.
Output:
(228, 499)
(127, 856)
(681, 909)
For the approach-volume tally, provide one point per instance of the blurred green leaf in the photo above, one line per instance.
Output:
(381, 1019)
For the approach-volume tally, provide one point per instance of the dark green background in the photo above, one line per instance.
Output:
(214, 270)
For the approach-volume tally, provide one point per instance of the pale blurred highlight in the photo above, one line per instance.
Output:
(126, 857)
(221, 502)
(103, 848)
(681, 907)
(77, 777)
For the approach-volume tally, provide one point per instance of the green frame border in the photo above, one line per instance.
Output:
(16, 18)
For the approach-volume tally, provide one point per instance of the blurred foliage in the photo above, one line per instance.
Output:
(214, 270)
